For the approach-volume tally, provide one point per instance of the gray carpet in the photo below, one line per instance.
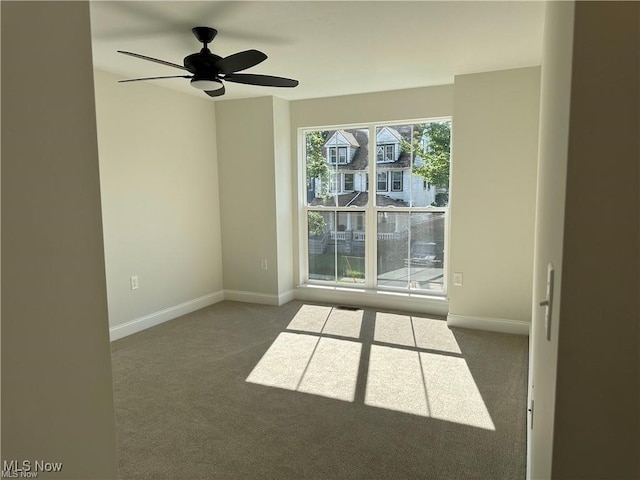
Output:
(244, 391)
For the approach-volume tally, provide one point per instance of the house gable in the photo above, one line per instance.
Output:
(340, 148)
(387, 145)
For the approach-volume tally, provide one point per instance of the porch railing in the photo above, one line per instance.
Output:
(361, 236)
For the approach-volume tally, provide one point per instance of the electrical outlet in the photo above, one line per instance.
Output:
(457, 279)
(263, 264)
(134, 282)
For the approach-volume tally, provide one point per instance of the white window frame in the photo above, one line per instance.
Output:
(386, 181)
(344, 182)
(338, 155)
(332, 155)
(334, 182)
(370, 218)
(392, 181)
(388, 152)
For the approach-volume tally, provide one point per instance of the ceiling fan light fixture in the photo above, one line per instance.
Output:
(206, 84)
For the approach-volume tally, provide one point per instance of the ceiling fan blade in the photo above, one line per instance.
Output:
(154, 78)
(215, 93)
(262, 80)
(162, 62)
(240, 61)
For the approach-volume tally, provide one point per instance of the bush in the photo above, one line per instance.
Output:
(354, 274)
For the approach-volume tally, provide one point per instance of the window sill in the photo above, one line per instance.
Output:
(354, 296)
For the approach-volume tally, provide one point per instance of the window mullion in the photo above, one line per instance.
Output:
(371, 224)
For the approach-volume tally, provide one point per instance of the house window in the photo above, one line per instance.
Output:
(386, 153)
(342, 154)
(382, 182)
(333, 182)
(392, 238)
(396, 181)
(338, 154)
(333, 155)
(348, 182)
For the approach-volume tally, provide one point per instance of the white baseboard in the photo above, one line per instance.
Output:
(374, 299)
(142, 323)
(252, 297)
(286, 297)
(500, 325)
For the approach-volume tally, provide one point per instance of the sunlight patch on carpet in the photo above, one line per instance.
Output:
(434, 334)
(453, 394)
(395, 381)
(345, 323)
(321, 366)
(415, 364)
(310, 318)
(392, 328)
(333, 370)
(285, 362)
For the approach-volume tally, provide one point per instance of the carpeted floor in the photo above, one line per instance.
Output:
(245, 391)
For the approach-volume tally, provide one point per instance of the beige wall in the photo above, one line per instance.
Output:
(285, 198)
(245, 131)
(57, 402)
(397, 105)
(493, 171)
(159, 177)
(597, 411)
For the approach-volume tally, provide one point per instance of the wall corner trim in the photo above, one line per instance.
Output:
(156, 318)
(500, 325)
(286, 297)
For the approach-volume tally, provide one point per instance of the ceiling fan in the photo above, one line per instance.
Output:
(208, 70)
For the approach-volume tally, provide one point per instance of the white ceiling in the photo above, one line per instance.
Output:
(332, 48)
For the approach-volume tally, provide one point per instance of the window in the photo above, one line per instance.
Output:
(342, 155)
(333, 155)
(393, 238)
(348, 182)
(333, 182)
(396, 181)
(382, 182)
(338, 154)
(386, 153)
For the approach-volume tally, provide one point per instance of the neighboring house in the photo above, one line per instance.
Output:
(347, 155)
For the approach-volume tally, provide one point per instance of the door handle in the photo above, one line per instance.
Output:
(548, 302)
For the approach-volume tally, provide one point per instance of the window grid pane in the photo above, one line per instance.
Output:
(408, 242)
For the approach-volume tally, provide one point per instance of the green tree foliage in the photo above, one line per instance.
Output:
(316, 224)
(316, 163)
(435, 155)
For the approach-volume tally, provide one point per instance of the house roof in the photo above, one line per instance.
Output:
(360, 160)
(392, 131)
(404, 161)
(348, 137)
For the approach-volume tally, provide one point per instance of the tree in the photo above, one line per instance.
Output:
(316, 224)
(316, 163)
(435, 152)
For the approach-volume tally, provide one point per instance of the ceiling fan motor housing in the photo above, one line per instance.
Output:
(202, 63)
